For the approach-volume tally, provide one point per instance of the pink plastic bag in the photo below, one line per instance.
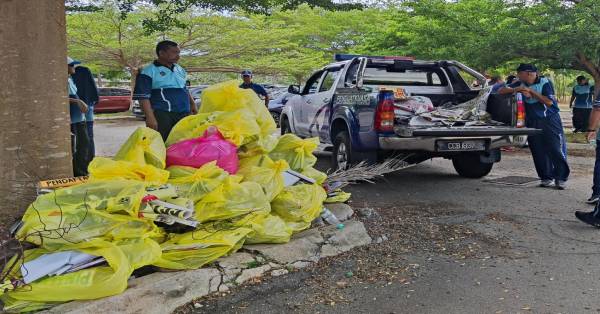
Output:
(199, 151)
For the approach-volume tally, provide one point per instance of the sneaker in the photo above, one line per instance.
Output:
(560, 185)
(589, 218)
(593, 199)
(546, 183)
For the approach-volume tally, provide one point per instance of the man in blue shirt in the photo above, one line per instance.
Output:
(88, 92)
(161, 89)
(79, 137)
(593, 217)
(549, 149)
(581, 102)
(259, 90)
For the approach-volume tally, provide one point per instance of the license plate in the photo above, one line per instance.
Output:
(460, 146)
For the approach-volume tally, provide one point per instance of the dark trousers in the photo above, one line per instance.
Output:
(596, 187)
(549, 149)
(581, 116)
(167, 120)
(92, 146)
(80, 145)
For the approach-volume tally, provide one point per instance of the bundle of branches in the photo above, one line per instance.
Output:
(364, 172)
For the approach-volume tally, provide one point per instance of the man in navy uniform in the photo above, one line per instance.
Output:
(161, 89)
(259, 90)
(79, 138)
(581, 102)
(88, 92)
(593, 217)
(549, 149)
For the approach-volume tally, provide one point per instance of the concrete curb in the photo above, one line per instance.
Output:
(164, 292)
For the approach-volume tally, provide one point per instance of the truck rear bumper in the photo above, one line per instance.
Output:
(428, 144)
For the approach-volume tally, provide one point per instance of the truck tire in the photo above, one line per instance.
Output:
(342, 156)
(285, 125)
(470, 166)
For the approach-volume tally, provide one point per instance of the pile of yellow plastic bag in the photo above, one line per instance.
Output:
(104, 216)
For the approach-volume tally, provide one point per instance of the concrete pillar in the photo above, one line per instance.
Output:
(34, 119)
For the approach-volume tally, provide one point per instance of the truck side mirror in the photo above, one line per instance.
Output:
(294, 89)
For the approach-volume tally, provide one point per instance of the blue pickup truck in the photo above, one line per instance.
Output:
(352, 105)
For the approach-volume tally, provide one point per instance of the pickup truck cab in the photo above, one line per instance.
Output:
(350, 104)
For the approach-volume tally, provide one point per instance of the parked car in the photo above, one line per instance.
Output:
(355, 105)
(113, 100)
(195, 91)
(276, 105)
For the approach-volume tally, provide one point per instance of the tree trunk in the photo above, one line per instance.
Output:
(35, 136)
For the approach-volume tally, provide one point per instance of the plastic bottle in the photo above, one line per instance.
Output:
(331, 219)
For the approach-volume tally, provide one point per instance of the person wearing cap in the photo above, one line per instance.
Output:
(161, 90)
(258, 89)
(593, 217)
(581, 102)
(79, 137)
(88, 92)
(548, 149)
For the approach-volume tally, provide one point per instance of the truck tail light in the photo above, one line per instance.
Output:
(384, 115)
(520, 111)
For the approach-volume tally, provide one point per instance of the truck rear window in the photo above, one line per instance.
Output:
(408, 77)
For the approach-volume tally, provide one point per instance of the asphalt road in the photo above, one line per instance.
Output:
(454, 246)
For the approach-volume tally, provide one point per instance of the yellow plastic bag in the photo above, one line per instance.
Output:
(313, 173)
(228, 96)
(192, 126)
(260, 146)
(266, 172)
(195, 183)
(296, 151)
(86, 211)
(232, 199)
(91, 283)
(144, 146)
(197, 248)
(340, 197)
(299, 203)
(238, 127)
(105, 169)
(266, 228)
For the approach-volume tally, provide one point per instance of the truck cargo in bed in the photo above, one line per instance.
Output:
(372, 107)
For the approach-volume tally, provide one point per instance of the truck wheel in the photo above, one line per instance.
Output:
(285, 126)
(343, 156)
(470, 166)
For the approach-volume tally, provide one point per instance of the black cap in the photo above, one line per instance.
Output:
(526, 67)
(246, 73)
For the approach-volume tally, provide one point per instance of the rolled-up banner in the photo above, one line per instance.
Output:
(160, 207)
(169, 220)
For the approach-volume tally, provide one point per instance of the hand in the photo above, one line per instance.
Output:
(151, 122)
(522, 89)
(82, 106)
(591, 135)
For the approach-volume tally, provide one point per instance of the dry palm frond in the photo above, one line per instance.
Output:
(364, 172)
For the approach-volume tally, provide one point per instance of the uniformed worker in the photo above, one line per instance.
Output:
(161, 90)
(258, 89)
(548, 149)
(79, 137)
(581, 102)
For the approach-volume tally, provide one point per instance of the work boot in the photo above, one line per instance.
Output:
(590, 218)
(545, 183)
(560, 185)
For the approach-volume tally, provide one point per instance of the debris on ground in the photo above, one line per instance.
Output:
(170, 207)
